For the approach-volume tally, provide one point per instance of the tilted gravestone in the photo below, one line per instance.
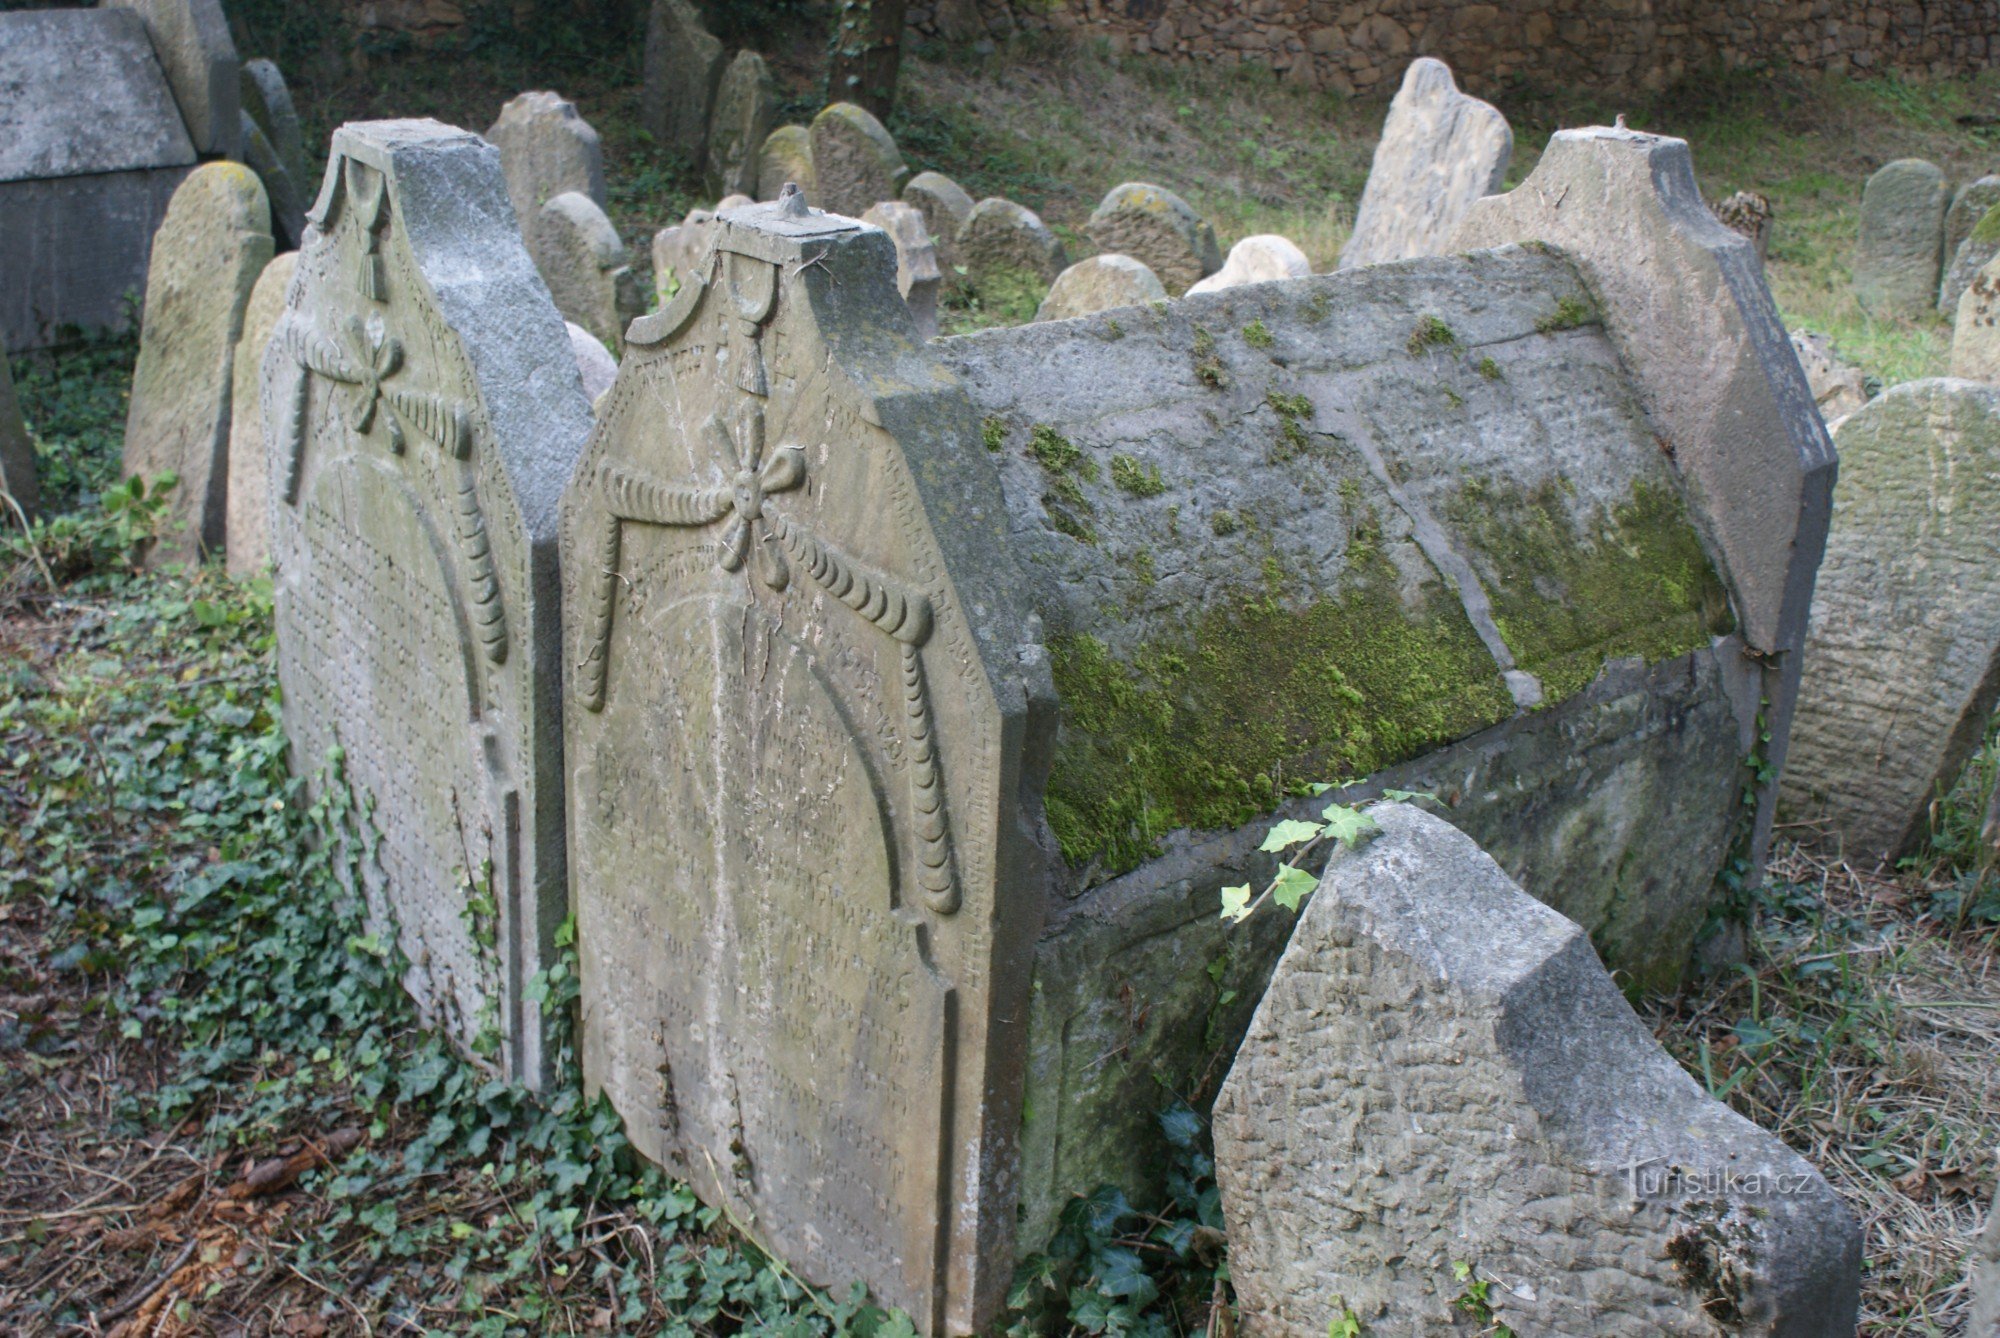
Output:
(1439, 152)
(192, 41)
(785, 160)
(745, 104)
(546, 149)
(248, 509)
(916, 260)
(682, 67)
(1100, 283)
(1902, 667)
(214, 242)
(1442, 1073)
(18, 476)
(1963, 256)
(422, 412)
(805, 713)
(1263, 258)
(1159, 229)
(855, 162)
(585, 264)
(1897, 264)
(945, 207)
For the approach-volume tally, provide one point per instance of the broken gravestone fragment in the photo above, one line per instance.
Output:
(546, 149)
(248, 528)
(917, 273)
(1902, 239)
(1838, 389)
(1100, 283)
(584, 262)
(214, 242)
(1442, 1076)
(1160, 230)
(786, 159)
(1263, 258)
(855, 162)
(745, 104)
(422, 410)
(1440, 151)
(1747, 213)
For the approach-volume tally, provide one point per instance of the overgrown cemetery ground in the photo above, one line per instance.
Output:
(217, 1110)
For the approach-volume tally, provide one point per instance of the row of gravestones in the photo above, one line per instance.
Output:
(1921, 243)
(890, 715)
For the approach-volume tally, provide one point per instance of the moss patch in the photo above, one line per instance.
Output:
(1987, 229)
(1570, 312)
(1430, 333)
(1292, 410)
(1141, 480)
(993, 432)
(1069, 511)
(1258, 335)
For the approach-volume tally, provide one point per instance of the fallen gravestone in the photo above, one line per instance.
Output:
(1007, 252)
(422, 411)
(215, 241)
(1160, 230)
(191, 39)
(585, 264)
(1440, 151)
(785, 159)
(1975, 333)
(1973, 202)
(917, 272)
(682, 68)
(546, 149)
(247, 509)
(945, 207)
(855, 163)
(1441, 1075)
(1902, 667)
(18, 476)
(1263, 258)
(1897, 265)
(594, 362)
(1837, 388)
(1100, 283)
(1748, 213)
(799, 665)
(745, 104)
(93, 150)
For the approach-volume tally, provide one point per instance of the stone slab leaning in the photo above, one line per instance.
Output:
(192, 40)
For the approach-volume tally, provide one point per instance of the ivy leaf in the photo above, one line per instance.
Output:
(1289, 833)
(1347, 825)
(1318, 788)
(1121, 1272)
(1289, 888)
(1235, 902)
(1411, 796)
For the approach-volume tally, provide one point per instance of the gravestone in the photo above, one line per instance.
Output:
(584, 262)
(1975, 253)
(546, 149)
(916, 260)
(191, 39)
(1263, 258)
(855, 162)
(804, 718)
(1837, 388)
(91, 149)
(1004, 245)
(1975, 333)
(745, 105)
(785, 159)
(1159, 229)
(1973, 202)
(1902, 239)
(18, 476)
(945, 207)
(281, 189)
(247, 508)
(1749, 213)
(422, 412)
(594, 362)
(682, 67)
(1684, 300)
(1441, 1073)
(1100, 283)
(214, 242)
(1439, 152)
(267, 102)
(1902, 666)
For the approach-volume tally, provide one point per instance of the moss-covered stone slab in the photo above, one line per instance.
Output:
(785, 160)
(745, 105)
(683, 64)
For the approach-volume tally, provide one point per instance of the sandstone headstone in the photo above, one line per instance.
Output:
(1440, 151)
(745, 105)
(422, 412)
(1159, 229)
(1099, 284)
(594, 362)
(945, 207)
(804, 709)
(248, 505)
(585, 263)
(1685, 302)
(546, 149)
(1442, 1072)
(18, 476)
(855, 162)
(1263, 258)
(1973, 202)
(91, 149)
(1902, 666)
(917, 272)
(1748, 213)
(785, 159)
(1902, 239)
(215, 241)
(281, 188)
(683, 66)
(1975, 333)
(1837, 388)
(1004, 243)
(191, 39)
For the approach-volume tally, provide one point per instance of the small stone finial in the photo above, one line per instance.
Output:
(1619, 122)
(792, 201)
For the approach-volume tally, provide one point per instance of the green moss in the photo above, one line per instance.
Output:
(1141, 564)
(1224, 523)
(1257, 335)
(1317, 306)
(1293, 440)
(1457, 400)
(1207, 367)
(1570, 312)
(1141, 480)
(1113, 329)
(1430, 333)
(1208, 728)
(1064, 463)
(994, 433)
(1489, 369)
(1635, 583)
(1987, 229)
(1059, 455)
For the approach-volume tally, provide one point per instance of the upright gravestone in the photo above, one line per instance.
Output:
(215, 241)
(1264, 258)
(281, 188)
(1159, 229)
(1006, 245)
(1902, 239)
(248, 541)
(546, 149)
(785, 160)
(273, 132)
(683, 65)
(594, 362)
(422, 413)
(855, 163)
(744, 107)
(1100, 283)
(1973, 202)
(945, 207)
(804, 711)
(584, 262)
(1975, 333)
(191, 38)
(917, 273)
(1903, 662)
(18, 477)
(1440, 151)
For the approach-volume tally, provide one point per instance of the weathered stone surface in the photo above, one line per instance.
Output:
(1749, 213)
(269, 101)
(1684, 301)
(1902, 239)
(917, 273)
(806, 718)
(855, 162)
(1160, 230)
(422, 414)
(1973, 202)
(1441, 1071)
(1975, 333)
(594, 362)
(18, 476)
(281, 189)
(248, 504)
(191, 39)
(683, 66)
(1975, 253)
(1263, 258)
(584, 262)
(1902, 668)
(1099, 284)
(1006, 243)
(786, 159)
(215, 241)
(546, 149)
(945, 207)
(1440, 151)
(1837, 388)
(745, 105)
(1983, 1272)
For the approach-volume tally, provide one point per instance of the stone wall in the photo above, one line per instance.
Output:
(1362, 46)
